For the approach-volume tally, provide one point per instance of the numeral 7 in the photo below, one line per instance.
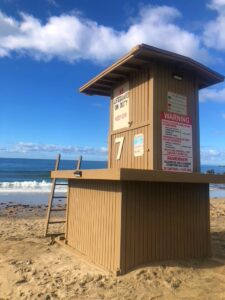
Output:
(119, 140)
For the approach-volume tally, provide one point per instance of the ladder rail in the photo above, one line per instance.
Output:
(79, 163)
(68, 192)
(51, 196)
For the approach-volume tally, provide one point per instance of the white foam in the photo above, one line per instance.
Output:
(28, 186)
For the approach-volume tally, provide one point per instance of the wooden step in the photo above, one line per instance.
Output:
(58, 209)
(57, 222)
(55, 234)
(52, 196)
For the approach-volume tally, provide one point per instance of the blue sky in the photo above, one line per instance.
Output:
(49, 48)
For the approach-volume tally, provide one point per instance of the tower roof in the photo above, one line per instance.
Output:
(103, 83)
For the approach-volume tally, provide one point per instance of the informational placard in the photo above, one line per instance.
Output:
(138, 145)
(177, 153)
(176, 103)
(121, 107)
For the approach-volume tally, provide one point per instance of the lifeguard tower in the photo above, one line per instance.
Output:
(152, 203)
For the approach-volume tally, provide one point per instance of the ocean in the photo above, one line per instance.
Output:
(32, 176)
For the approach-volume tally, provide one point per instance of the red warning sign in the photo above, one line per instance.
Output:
(177, 153)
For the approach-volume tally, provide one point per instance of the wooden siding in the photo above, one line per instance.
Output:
(139, 97)
(121, 225)
(163, 82)
(139, 115)
(93, 221)
(147, 99)
(164, 221)
(127, 159)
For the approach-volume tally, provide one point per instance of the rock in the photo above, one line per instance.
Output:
(89, 278)
(82, 283)
(100, 284)
(176, 283)
(114, 281)
(34, 271)
(168, 279)
(97, 277)
(29, 262)
(13, 262)
(21, 280)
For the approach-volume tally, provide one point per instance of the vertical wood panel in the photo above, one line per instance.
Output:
(163, 82)
(139, 115)
(127, 159)
(164, 221)
(94, 221)
(122, 227)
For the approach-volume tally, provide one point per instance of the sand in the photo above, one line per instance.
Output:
(33, 267)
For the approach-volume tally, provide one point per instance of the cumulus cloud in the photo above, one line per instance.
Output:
(214, 33)
(71, 37)
(52, 148)
(212, 94)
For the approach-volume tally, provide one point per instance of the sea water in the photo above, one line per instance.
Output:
(27, 181)
(33, 175)
(23, 178)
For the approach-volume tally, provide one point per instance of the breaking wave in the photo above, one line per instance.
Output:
(28, 186)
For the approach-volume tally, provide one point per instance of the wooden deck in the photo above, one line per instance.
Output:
(140, 175)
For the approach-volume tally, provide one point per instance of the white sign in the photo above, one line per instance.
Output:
(121, 107)
(177, 153)
(177, 103)
(139, 145)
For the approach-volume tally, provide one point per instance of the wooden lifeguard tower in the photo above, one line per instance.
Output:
(151, 203)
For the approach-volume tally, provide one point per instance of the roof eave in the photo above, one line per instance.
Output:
(209, 76)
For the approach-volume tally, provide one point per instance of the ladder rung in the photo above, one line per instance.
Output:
(58, 209)
(56, 222)
(58, 197)
(54, 234)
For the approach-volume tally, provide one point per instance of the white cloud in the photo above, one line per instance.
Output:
(212, 94)
(72, 37)
(216, 4)
(212, 155)
(52, 148)
(214, 33)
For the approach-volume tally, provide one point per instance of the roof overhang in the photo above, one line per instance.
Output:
(103, 83)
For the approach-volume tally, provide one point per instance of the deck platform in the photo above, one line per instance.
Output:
(121, 219)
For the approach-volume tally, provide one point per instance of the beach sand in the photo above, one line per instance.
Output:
(33, 267)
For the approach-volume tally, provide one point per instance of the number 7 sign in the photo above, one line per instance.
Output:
(119, 140)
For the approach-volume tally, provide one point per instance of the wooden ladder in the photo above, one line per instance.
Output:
(52, 196)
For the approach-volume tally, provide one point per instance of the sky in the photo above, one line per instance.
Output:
(49, 48)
